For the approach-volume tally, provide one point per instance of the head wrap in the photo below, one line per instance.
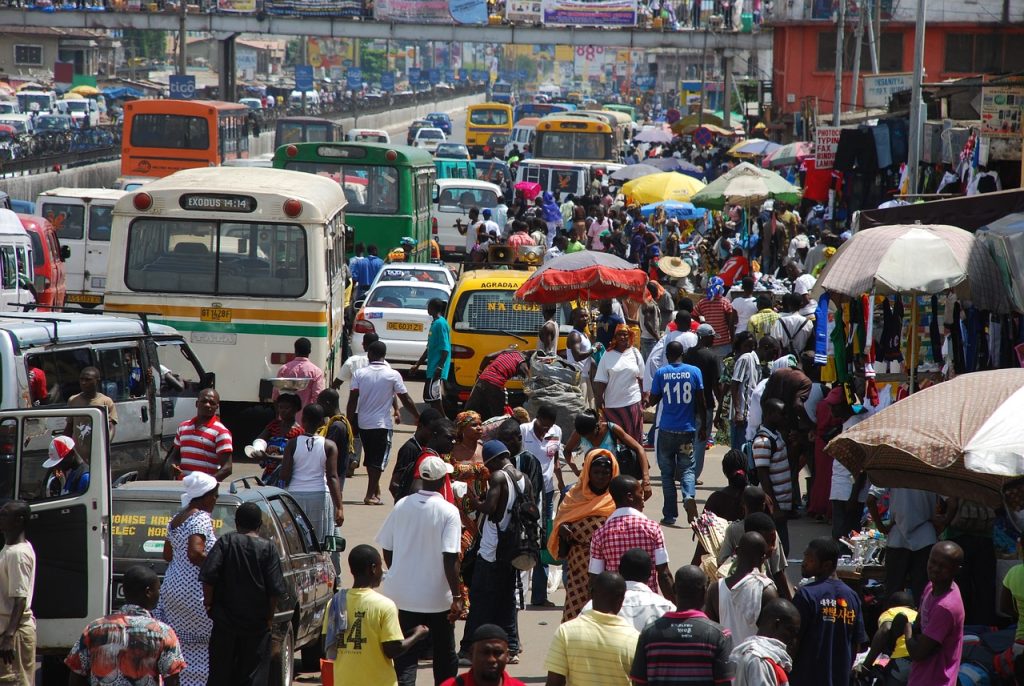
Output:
(464, 419)
(580, 502)
(716, 287)
(552, 213)
(197, 484)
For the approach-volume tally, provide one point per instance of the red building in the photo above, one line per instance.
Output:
(963, 38)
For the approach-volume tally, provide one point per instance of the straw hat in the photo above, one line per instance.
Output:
(674, 267)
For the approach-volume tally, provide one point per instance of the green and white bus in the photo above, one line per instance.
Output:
(388, 187)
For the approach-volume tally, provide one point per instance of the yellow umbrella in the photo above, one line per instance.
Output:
(71, 95)
(664, 186)
(85, 90)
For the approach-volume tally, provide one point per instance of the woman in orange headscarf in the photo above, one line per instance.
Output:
(584, 509)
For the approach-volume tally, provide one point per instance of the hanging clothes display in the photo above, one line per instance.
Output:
(935, 332)
(883, 149)
(892, 331)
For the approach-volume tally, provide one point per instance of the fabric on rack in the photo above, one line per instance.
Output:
(892, 331)
(821, 330)
(871, 389)
(856, 318)
(972, 339)
(898, 133)
(957, 347)
(867, 159)
(846, 151)
(935, 332)
(839, 348)
(883, 149)
(817, 182)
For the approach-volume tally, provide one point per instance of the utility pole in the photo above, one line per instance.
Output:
(872, 42)
(916, 104)
(862, 16)
(878, 34)
(182, 58)
(837, 100)
(703, 77)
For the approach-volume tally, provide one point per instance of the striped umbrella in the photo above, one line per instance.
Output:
(753, 147)
(790, 153)
(961, 438)
(587, 275)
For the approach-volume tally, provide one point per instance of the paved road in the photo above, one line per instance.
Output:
(536, 627)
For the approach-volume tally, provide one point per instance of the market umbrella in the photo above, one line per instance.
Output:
(587, 275)
(683, 211)
(71, 95)
(86, 90)
(654, 135)
(790, 153)
(961, 438)
(677, 165)
(530, 189)
(753, 147)
(663, 186)
(634, 171)
(31, 85)
(745, 185)
(5, 89)
(915, 259)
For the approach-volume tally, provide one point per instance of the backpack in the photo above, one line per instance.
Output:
(791, 336)
(519, 542)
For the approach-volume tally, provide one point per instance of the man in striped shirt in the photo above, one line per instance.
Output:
(771, 460)
(203, 444)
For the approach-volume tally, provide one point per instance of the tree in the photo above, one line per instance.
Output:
(148, 44)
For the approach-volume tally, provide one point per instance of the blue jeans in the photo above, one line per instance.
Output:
(675, 456)
(737, 435)
(699, 446)
(539, 583)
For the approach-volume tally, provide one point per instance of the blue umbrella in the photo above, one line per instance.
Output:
(674, 209)
(677, 165)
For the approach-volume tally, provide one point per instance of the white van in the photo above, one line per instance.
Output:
(453, 198)
(523, 132)
(368, 136)
(84, 112)
(40, 102)
(22, 123)
(555, 175)
(16, 263)
(9, 107)
(82, 217)
(312, 99)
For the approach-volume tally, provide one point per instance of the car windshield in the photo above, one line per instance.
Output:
(139, 527)
(433, 134)
(52, 123)
(412, 273)
(408, 297)
(464, 198)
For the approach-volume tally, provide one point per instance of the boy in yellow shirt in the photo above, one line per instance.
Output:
(363, 626)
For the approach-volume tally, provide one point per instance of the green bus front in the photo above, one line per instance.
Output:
(388, 188)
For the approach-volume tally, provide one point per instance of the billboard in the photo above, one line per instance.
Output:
(526, 11)
(878, 88)
(431, 11)
(312, 8)
(826, 142)
(1002, 109)
(601, 13)
(246, 6)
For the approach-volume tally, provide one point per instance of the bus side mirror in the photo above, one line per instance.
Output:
(65, 252)
(209, 380)
(350, 235)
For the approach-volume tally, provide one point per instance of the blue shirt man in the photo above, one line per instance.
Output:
(438, 354)
(373, 264)
(678, 391)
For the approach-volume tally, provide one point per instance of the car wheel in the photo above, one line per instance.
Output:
(311, 654)
(282, 668)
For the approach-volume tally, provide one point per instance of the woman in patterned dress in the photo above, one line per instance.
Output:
(467, 459)
(190, 537)
(581, 513)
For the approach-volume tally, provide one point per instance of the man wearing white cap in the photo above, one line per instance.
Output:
(424, 584)
(70, 473)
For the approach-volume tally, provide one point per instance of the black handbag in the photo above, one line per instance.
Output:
(629, 463)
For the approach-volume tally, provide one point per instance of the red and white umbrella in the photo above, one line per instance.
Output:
(962, 438)
(584, 275)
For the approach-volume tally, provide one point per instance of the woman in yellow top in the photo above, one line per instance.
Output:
(584, 509)
(899, 663)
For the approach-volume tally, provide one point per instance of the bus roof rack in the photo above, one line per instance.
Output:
(143, 316)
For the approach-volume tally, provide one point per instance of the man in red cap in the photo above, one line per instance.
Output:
(69, 472)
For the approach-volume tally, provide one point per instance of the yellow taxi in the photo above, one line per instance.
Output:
(485, 317)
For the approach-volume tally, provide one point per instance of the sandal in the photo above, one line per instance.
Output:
(372, 501)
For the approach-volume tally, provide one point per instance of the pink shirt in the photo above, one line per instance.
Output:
(302, 368)
(942, 620)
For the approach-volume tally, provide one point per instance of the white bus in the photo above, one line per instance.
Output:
(240, 261)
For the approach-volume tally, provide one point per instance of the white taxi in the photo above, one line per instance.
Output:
(397, 312)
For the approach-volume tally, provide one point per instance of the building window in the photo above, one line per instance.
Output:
(982, 53)
(31, 55)
(891, 55)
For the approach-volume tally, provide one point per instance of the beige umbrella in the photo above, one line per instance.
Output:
(961, 438)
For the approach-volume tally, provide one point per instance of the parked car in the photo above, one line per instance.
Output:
(441, 121)
(416, 271)
(397, 312)
(141, 509)
(428, 138)
(452, 151)
(48, 257)
(367, 136)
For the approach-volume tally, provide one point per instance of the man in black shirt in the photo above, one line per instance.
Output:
(703, 358)
(403, 474)
(242, 582)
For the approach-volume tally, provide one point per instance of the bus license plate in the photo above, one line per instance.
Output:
(214, 314)
(405, 326)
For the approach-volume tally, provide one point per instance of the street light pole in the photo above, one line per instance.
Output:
(837, 105)
(182, 59)
(916, 103)
(703, 77)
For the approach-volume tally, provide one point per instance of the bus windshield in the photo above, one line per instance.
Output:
(489, 117)
(369, 189)
(298, 132)
(216, 258)
(170, 131)
(573, 145)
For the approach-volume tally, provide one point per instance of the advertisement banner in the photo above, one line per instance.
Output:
(526, 11)
(589, 12)
(431, 11)
(826, 142)
(245, 6)
(313, 8)
(354, 78)
(387, 82)
(1002, 109)
(878, 88)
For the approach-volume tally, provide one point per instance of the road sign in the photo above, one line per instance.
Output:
(303, 77)
(354, 78)
(449, 75)
(479, 75)
(702, 136)
(183, 87)
(414, 75)
(387, 82)
(463, 75)
(434, 76)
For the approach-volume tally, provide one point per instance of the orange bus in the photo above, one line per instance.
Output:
(161, 137)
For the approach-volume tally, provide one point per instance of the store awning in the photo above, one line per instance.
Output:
(969, 212)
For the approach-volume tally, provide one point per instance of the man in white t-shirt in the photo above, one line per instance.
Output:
(657, 359)
(421, 540)
(542, 438)
(745, 303)
(17, 585)
(802, 285)
(369, 409)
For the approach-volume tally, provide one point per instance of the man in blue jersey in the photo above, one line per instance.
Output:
(678, 390)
